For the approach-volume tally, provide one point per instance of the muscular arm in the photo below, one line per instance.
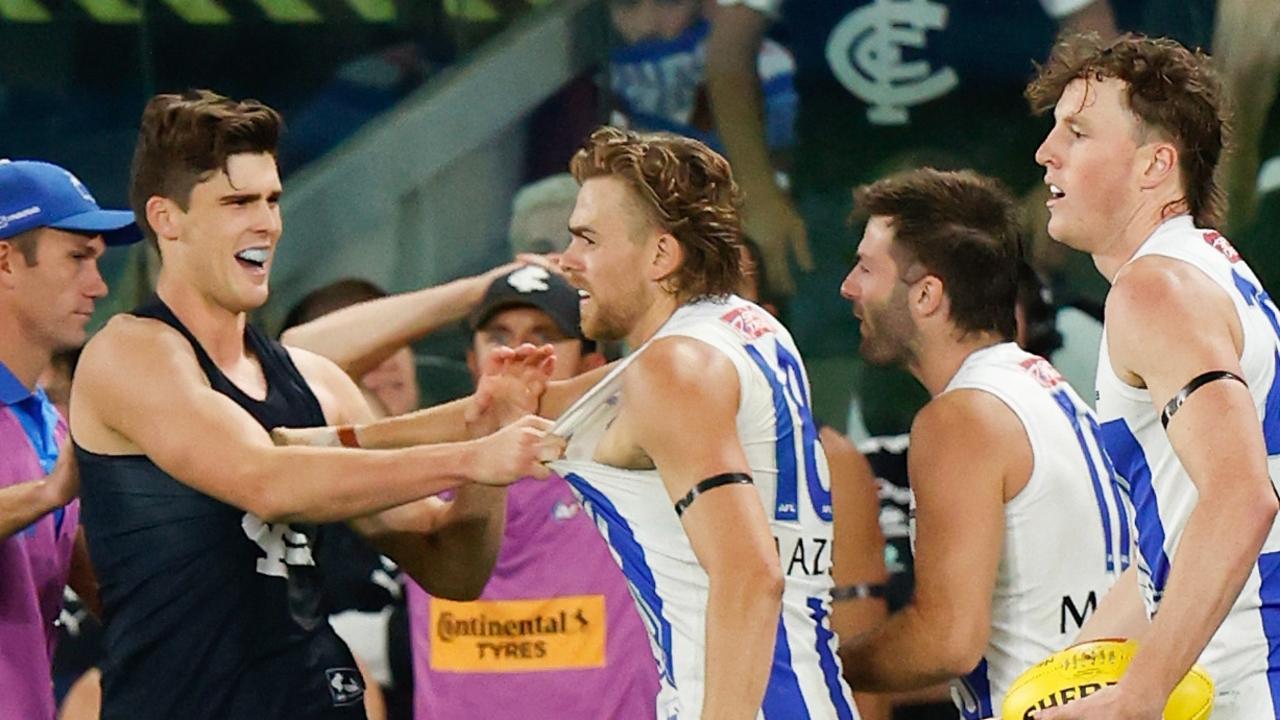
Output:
(680, 397)
(139, 389)
(449, 422)
(858, 551)
(448, 548)
(1168, 323)
(359, 337)
(960, 498)
(24, 503)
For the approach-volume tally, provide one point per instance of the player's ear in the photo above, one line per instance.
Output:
(164, 216)
(668, 255)
(8, 256)
(1161, 162)
(926, 296)
(13, 256)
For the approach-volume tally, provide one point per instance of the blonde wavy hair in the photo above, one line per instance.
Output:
(687, 189)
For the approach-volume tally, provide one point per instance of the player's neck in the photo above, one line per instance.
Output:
(654, 317)
(1135, 229)
(220, 331)
(939, 359)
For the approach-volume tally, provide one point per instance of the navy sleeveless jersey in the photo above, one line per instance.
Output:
(211, 612)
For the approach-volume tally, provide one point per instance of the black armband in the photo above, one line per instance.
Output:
(859, 592)
(1196, 383)
(711, 483)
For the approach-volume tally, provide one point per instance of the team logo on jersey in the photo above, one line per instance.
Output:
(284, 546)
(866, 54)
(1222, 245)
(751, 323)
(1042, 371)
(346, 687)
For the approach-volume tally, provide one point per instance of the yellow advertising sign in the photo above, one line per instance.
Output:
(496, 636)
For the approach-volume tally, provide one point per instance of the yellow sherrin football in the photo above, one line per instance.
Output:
(1086, 668)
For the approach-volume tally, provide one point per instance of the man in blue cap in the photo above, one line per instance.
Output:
(52, 233)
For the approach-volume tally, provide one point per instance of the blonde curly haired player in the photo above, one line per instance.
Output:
(697, 456)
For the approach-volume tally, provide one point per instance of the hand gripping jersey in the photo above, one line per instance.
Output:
(1066, 534)
(1246, 673)
(634, 513)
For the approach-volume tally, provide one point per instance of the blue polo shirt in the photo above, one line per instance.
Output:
(35, 561)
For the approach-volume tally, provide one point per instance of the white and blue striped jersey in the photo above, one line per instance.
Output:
(1239, 658)
(1066, 533)
(635, 515)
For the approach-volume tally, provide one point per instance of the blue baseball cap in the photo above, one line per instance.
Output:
(37, 194)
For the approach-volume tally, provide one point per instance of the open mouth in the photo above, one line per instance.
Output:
(255, 257)
(1055, 192)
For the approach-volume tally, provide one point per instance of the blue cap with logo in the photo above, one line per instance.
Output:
(36, 194)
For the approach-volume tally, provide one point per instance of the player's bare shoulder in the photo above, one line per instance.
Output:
(1158, 289)
(1161, 308)
(126, 363)
(966, 413)
(947, 429)
(679, 363)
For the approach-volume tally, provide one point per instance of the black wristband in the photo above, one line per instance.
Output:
(1196, 383)
(859, 591)
(711, 483)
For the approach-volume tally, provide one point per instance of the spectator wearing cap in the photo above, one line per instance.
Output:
(555, 632)
(52, 233)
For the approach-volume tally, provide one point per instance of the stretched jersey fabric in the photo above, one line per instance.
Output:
(555, 632)
(632, 510)
(210, 612)
(1066, 534)
(35, 561)
(1240, 657)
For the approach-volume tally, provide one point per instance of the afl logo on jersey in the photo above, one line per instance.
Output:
(866, 54)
